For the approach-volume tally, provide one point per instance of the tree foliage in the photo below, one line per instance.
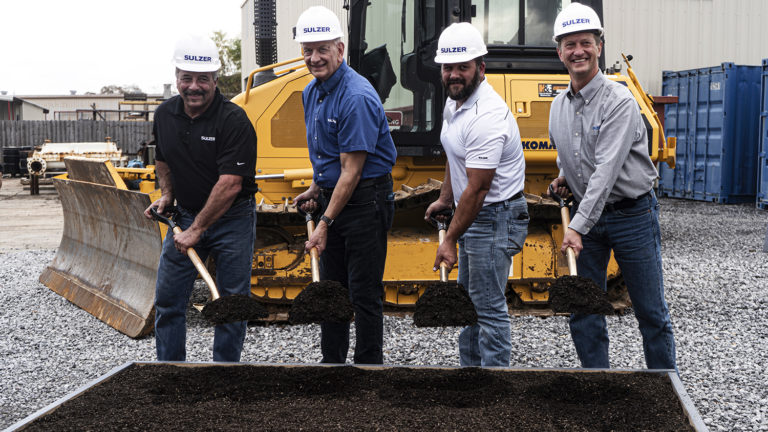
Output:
(117, 89)
(230, 56)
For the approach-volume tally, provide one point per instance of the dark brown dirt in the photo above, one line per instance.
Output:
(314, 398)
(234, 308)
(319, 302)
(444, 304)
(577, 294)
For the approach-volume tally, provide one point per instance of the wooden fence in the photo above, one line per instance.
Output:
(128, 135)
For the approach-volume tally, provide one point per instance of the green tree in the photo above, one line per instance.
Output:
(123, 89)
(230, 56)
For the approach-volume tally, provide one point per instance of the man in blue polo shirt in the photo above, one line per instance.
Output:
(206, 159)
(352, 155)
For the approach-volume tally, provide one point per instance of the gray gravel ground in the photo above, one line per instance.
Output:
(717, 288)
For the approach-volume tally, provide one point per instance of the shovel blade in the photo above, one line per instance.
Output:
(444, 304)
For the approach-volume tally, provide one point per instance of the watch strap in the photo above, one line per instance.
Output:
(328, 221)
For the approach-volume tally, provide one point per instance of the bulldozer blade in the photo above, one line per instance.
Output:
(107, 260)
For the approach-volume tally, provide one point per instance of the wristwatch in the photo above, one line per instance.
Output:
(328, 221)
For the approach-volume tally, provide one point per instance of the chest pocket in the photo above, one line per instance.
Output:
(332, 126)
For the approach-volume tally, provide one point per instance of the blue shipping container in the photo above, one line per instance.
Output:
(716, 125)
(762, 186)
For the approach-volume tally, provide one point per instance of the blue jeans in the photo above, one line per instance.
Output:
(633, 235)
(355, 253)
(485, 255)
(230, 241)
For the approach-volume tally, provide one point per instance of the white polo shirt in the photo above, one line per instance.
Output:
(483, 134)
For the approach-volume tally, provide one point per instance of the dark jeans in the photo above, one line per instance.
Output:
(230, 241)
(355, 253)
(633, 235)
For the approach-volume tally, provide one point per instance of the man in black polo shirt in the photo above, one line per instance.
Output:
(206, 159)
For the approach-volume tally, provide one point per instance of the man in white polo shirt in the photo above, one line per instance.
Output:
(484, 178)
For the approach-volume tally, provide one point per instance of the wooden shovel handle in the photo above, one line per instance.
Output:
(569, 253)
(443, 266)
(313, 259)
(200, 268)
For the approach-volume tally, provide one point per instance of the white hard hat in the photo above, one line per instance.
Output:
(458, 43)
(317, 24)
(576, 18)
(196, 53)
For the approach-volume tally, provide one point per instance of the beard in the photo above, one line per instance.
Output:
(464, 92)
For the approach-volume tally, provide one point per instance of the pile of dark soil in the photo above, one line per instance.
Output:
(577, 294)
(319, 302)
(444, 304)
(234, 308)
(314, 398)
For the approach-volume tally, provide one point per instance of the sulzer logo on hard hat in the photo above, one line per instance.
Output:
(197, 58)
(576, 21)
(453, 50)
(317, 29)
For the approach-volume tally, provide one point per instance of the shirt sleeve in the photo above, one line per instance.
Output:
(359, 125)
(485, 138)
(237, 151)
(617, 132)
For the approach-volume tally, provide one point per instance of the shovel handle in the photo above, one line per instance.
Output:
(569, 253)
(313, 259)
(443, 266)
(200, 268)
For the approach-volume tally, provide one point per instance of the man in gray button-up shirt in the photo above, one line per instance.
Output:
(602, 153)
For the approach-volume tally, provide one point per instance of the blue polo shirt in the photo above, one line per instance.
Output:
(344, 114)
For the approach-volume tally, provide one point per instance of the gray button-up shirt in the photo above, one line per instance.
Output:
(602, 147)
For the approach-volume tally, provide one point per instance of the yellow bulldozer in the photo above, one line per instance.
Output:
(108, 256)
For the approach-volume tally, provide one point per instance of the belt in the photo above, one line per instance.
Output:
(364, 183)
(625, 203)
(512, 198)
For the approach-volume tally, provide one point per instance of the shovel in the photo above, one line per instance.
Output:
(220, 310)
(574, 293)
(320, 301)
(444, 304)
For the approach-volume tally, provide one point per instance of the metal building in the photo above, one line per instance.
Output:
(659, 34)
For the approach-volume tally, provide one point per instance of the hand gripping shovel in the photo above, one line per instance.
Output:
(220, 310)
(444, 304)
(574, 293)
(320, 301)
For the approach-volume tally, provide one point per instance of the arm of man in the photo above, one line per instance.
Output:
(351, 170)
(164, 178)
(469, 205)
(219, 201)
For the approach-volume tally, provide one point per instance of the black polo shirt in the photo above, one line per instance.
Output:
(220, 141)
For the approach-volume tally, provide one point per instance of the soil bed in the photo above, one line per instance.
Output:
(255, 397)
(578, 294)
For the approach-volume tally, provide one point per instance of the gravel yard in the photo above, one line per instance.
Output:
(716, 285)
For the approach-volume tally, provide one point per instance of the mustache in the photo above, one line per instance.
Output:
(193, 93)
(456, 81)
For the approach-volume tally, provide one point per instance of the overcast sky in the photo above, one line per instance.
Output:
(54, 46)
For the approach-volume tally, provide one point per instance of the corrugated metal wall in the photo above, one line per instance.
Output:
(660, 34)
(127, 135)
(684, 34)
